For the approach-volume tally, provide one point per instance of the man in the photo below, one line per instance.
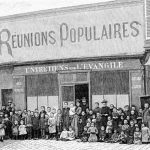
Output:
(65, 116)
(97, 108)
(84, 105)
(145, 112)
(105, 112)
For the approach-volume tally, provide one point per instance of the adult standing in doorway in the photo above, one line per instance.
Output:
(84, 104)
(65, 116)
(145, 112)
(105, 112)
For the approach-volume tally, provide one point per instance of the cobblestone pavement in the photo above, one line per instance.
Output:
(73, 145)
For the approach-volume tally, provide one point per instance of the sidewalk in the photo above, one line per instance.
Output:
(73, 145)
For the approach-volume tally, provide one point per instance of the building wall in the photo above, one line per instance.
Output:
(6, 80)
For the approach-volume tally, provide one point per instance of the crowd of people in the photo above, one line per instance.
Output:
(77, 122)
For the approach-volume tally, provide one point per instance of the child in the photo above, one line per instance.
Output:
(137, 136)
(133, 115)
(29, 124)
(52, 126)
(71, 134)
(145, 134)
(93, 118)
(46, 126)
(42, 125)
(74, 124)
(35, 123)
(2, 130)
(109, 124)
(131, 131)
(125, 126)
(92, 131)
(83, 118)
(15, 130)
(80, 128)
(102, 134)
(115, 118)
(64, 135)
(108, 138)
(71, 112)
(59, 122)
(85, 135)
(115, 137)
(139, 117)
(123, 138)
(22, 130)
(8, 124)
(98, 121)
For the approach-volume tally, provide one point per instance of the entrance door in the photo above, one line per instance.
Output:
(7, 94)
(82, 90)
(67, 93)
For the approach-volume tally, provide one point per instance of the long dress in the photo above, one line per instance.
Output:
(52, 125)
(74, 124)
(65, 117)
(145, 134)
(2, 130)
(92, 131)
(137, 138)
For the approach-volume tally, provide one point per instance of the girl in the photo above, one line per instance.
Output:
(102, 134)
(71, 134)
(15, 130)
(145, 134)
(92, 131)
(123, 138)
(125, 126)
(137, 136)
(115, 137)
(64, 135)
(2, 130)
(35, 123)
(74, 124)
(71, 112)
(109, 124)
(85, 135)
(115, 118)
(42, 125)
(52, 126)
(46, 126)
(22, 130)
(59, 122)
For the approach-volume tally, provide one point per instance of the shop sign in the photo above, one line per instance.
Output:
(94, 66)
(73, 35)
(19, 84)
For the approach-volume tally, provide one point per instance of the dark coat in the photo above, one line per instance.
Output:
(35, 123)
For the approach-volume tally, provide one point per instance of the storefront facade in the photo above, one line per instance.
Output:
(61, 55)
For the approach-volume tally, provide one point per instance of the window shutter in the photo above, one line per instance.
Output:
(147, 17)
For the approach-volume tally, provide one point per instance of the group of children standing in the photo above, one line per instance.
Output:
(77, 122)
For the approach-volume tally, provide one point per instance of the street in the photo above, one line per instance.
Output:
(73, 145)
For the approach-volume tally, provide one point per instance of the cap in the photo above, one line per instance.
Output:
(104, 101)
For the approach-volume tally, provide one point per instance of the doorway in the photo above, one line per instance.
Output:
(7, 94)
(82, 90)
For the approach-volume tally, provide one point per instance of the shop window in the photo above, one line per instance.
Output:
(7, 95)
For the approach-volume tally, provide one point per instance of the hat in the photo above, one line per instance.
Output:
(104, 101)
(83, 99)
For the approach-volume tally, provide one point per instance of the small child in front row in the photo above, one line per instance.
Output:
(145, 134)
(71, 134)
(115, 137)
(22, 130)
(137, 136)
(102, 134)
(2, 131)
(93, 133)
(85, 135)
(15, 130)
(123, 138)
(64, 135)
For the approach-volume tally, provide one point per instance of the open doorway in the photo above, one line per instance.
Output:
(7, 94)
(82, 90)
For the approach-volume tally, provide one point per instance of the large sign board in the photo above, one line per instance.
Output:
(86, 33)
